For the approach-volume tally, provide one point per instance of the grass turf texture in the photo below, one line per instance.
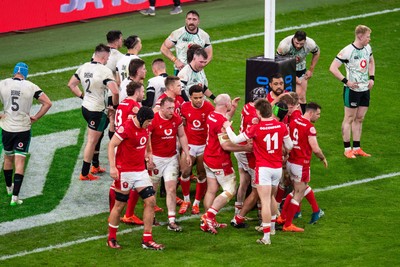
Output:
(360, 224)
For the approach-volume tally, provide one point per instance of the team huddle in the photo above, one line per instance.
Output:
(177, 131)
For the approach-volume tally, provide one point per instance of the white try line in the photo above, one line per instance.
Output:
(184, 218)
(247, 36)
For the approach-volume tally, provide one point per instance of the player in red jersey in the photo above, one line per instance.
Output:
(127, 168)
(217, 162)
(304, 137)
(292, 101)
(268, 137)
(166, 127)
(127, 109)
(194, 114)
(173, 90)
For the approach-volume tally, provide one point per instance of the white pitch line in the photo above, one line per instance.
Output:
(247, 36)
(184, 218)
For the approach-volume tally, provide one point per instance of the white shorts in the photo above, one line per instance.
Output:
(298, 173)
(165, 167)
(131, 180)
(243, 163)
(268, 176)
(227, 179)
(195, 150)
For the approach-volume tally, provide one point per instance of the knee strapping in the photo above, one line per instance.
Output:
(227, 195)
(121, 197)
(147, 192)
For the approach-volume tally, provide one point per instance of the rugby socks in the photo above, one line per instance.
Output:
(238, 207)
(95, 160)
(196, 202)
(171, 216)
(286, 205)
(132, 201)
(185, 184)
(85, 168)
(201, 188)
(147, 237)
(8, 177)
(18, 178)
(347, 146)
(280, 193)
(273, 222)
(293, 208)
(212, 213)
(112, 231)
(266, 230)
(239, 219)
(309, 195)
(356, 145)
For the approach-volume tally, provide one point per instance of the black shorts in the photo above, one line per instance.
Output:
(353, 99)
(109, 101)
(300, 73)
(96, 120)
(16, 143)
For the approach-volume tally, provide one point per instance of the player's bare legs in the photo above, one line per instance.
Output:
(212, 189)
(349, 116)
(92, 139)
(241, 192)
(357, 123)
(170, 187)
(148, 213)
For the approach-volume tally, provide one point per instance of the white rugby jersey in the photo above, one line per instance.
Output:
(94, 77)
(157, 86)
(356, 61)
(122, 89)
(123, 66)
(17, 96)
(183, 39)
(115, 56)
(190, 77)
(287, 48)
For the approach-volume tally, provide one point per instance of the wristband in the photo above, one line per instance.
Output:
(372, 77)
(173, 59)
(212, 96)
(344, 80)
(115, 106)
(81, 97)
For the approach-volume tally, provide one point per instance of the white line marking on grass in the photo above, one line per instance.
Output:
(247, 36)
(367, 180)
(183, 218)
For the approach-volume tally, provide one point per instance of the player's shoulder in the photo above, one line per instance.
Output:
(178, 32)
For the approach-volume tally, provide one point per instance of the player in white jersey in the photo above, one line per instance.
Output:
(134, 45)
(137, 72)
(183, 38)
(114, 42)
(193, 73)
(96, 79)
(358, 82)
(17, 95)
(156, 85)
(299, 46)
